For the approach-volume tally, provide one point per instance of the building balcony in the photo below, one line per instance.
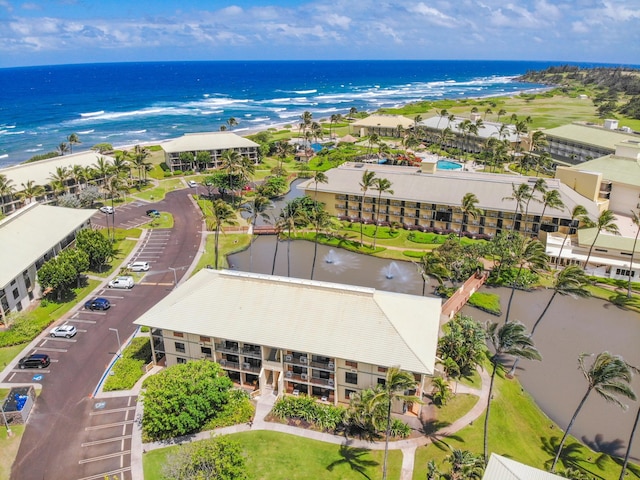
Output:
(227, 365)
(223, 348)
(296, 360)
(324, 365)
(252, 352)
(341, 206)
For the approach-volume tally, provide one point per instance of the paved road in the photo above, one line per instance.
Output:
(69, 434)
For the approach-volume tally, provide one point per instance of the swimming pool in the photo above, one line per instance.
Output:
(447, 165)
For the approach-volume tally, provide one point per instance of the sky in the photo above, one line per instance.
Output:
(46, 32)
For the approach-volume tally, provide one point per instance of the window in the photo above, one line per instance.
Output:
(351, 378)
(351, 364)
(180, 347)
(382, 381)
(206, 351)
(16, 294)
(382, 369)
(178, 334)
(624, 272)
(181, 360)
(348, 393)
(601, 250)
(205, 339)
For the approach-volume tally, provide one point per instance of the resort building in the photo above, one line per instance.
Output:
(25, 247)
(294, 336)
(381, 125)
(580, 142)
(503, 468)
(429, 199)
(40, 173)
(181, 153)
(466, 140)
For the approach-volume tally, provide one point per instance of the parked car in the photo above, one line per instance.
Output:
(138, 266)
(192, 183)
(97, 304)
(66, 331)
(37, 360)
(153, 213)
(121, 282)
(106, 209)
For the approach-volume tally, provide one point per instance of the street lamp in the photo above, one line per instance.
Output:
(6, 424)
(118, 338)
(175, 277)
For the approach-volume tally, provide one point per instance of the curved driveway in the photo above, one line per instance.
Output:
(62, 428)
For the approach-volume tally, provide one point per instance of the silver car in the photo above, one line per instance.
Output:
(121, 282)
(66, 331)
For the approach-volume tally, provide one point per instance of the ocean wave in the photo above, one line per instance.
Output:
(32, 150)
(86, 132)
(92, 114)
(137, 132)
(305, 92)
(5, 155)
(5, 132)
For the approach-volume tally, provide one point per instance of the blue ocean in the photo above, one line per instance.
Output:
(129, 103)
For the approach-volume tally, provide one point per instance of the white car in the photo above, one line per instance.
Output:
(121, 282)
(66, 331)
(192, 183)
(106, 209)
(138, 266)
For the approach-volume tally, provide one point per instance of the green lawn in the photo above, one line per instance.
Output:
(164, 186)
(9, 449)
(279, 456)
(228, 243)
(165, 220)
(7, 354)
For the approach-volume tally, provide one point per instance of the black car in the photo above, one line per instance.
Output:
(37, 360)
(97, 304)
(153, 213)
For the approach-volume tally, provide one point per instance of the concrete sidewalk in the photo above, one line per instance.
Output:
(264, 405)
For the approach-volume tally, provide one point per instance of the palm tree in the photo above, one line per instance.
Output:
(577, 213)
(6, 188)
(501, 112)
(222, 214)
(283, 150)
(382, 185)
(236, 166)
(374, 139)
(368, 179)
(605, 221)
(441, 114)
(291, 217)
(552, 199)
(232, 122)
(629, 444)
(395, 388)
(62, 148)
(488, 111)
(257, 207)
(432, 265)
(103, 168)
(468, 206)
(465, 465)
(571, 281)
(73, 139)
(509, 339)
(635, 218)
(321, 219)
(78, 174)
(609, 376)
(30, 191)
(540, 185)
(58, 179)
(520, 195)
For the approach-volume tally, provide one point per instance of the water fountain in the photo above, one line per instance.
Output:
(337, 262)
(396, 277)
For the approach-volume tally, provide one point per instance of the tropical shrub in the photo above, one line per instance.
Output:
(237, 410)
(324, 417)
(463, 344)
(129, 368)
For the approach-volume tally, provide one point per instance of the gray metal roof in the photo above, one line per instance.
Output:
(353, 323)
(589, 135)
(487, 130)
(614, 169)
(503, 468)
(449, 187)
(196, 142)
(383, 121)
(32, 231)
(40, 171)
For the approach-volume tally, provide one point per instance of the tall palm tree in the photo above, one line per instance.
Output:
(321, 219)
(103, 168)
(605, 222)
(635, 218)
(30, 191)
(501, 112)
(381, 185)
(468, 207)
(6, 189)
(58, 179)
(256, 208)
(488, 111)
(395, 388)
(291, 217)
(443, 113)
(232, 122)
(222, 214)
(509, 339)
(62, 148)
(368, 178)
(79, 175)
(465, 465)
(577, 213)
(283, 150)
(236, 166)
(73, 139)
(571, 281)
(520, 195)
(432, 265)
(551, 199)
(374, 139)
(629, 444)
(540, 185)
(609, 376)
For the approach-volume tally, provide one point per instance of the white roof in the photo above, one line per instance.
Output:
(353, 323)
(448, 188)
(195, 142)
(488, 129)
(32, 231)
(383, 121)
(41, 170)
(503, 468)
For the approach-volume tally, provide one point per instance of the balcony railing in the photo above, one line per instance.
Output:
(252, 352)
(221, 347)
(229, 365)
(324, 365)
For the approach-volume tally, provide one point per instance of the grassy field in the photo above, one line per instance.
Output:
(9, 449)
(278, 456)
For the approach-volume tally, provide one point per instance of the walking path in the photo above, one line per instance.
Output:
(265, 404)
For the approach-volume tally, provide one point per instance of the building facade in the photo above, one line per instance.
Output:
(294, 336)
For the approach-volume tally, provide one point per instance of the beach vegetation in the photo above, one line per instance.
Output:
(128, 369)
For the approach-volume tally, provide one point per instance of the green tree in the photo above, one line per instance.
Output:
(462, 341)
(635, 218)
(73, 139)
(432, 265)
(6, 189)
(78, 259)
(468, 207)
(520, 195)
(465, 465)
(180, 399)
(29, 191)
(550, 199)
(256, 208)
(215, 458)
(441, 391)
(98, 247)
(609, 376)
(625, 462)
(368, 179)
(381, 185)
(320, 219)
(292, 217)
(605, 222)
(222, 214)
(509, 339)
(577, 213)
(58, 274)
